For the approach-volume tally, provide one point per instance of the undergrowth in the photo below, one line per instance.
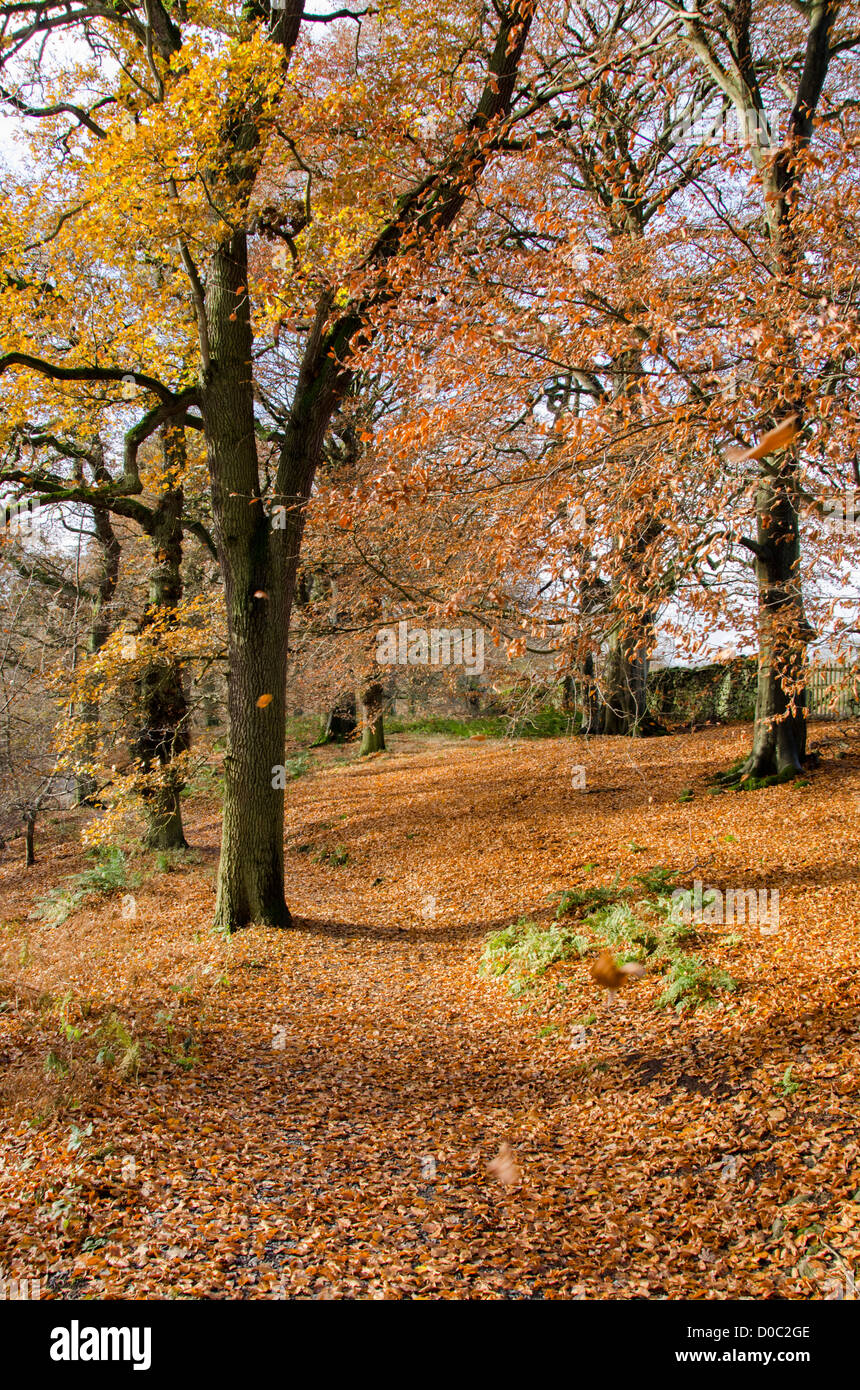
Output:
(635, 921)
(108, 874)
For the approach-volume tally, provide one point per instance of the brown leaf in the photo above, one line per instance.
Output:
(504, 1167)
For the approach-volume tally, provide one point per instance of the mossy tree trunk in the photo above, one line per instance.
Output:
(258, 565)
(624, 688)
(370, 704)
(779, 731)
(109, 552)
(162, 718)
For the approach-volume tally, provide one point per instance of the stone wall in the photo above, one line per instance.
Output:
(717, 694)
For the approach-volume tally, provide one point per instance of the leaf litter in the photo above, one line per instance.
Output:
(352, 1110)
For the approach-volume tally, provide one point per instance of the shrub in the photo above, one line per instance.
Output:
(109, 874)
(634, 928)
(591, 898)
(525, 949)
(691, 981)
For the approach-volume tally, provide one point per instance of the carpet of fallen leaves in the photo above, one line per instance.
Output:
(313, 1112)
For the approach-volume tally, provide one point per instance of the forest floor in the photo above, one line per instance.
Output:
(312, 1112)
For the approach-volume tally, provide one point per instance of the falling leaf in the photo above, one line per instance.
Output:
(777, 438)
(504, 1167)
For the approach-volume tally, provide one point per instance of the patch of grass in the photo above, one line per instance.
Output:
(686, 795)
(658, 880)
(787, 1084)
(540, 723)
(546, 723)
(184, 1053)
(617, 918)
(617, 925)
(108, 874)
(492, 726)
(118, 1046)
(305, 728)
(55, 1065)
(692, 982)
(167, 861)
(205, 781)
(673, 933)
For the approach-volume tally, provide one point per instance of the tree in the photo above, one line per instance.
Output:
(205, 129)
(724, 41)
(161, 715)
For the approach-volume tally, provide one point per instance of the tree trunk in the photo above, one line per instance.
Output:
(100, 625)
(29, 832)
(369, 700)
(624, 688)
(258, 563)
(257, 557)
(161, 708)
(342, 720)
(779, 732)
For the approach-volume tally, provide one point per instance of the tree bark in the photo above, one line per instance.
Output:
(100, 624)
(779, 732)
(161, 708)
(258, 565)
(370, 700)
(258, 557)
(623, 689)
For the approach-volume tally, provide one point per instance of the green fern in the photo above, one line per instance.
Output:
(691, 982)
(527, 951)
(108, 874)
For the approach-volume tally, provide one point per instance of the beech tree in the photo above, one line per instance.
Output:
(197, 130)
(733, 46)
(76, 472)
(610, 349)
